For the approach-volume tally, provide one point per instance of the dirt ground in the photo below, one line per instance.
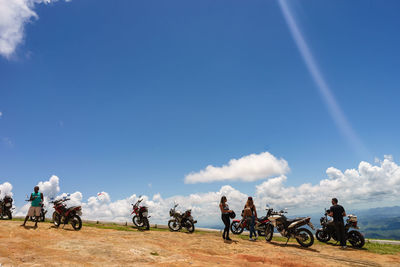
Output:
(47, 246)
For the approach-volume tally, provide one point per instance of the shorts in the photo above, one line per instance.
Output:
(34, 211)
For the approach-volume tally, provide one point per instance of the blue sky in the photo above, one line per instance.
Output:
(117, 95)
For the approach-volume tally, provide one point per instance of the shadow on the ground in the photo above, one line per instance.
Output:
(292, 246)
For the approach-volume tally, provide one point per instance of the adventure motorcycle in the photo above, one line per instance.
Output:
(64, 215)
(6, 207)
(181, 220)
(141, 218)
(290, 228)
(237, 226)
(328, 230)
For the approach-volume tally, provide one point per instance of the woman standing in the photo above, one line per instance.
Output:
(250, 214)
(225, 217)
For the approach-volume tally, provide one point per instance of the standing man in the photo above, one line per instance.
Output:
(337, 212)
(36, 202)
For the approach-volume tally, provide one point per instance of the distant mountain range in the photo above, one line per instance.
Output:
(379, 223)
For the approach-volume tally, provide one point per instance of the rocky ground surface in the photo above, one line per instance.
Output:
(48, 246)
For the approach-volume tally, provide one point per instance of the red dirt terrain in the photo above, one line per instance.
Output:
(47, 246)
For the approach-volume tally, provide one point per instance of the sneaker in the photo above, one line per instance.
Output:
(228, 239)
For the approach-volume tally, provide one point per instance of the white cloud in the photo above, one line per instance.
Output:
(14, 14)
(369, 183)
(5, 189)
(248, 169)
(1, 113)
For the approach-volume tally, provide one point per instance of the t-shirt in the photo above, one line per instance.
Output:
(37, 200)
(337, 211)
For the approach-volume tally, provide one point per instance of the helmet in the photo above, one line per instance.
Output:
(232, 215)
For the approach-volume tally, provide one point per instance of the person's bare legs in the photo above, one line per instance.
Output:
(26, 218)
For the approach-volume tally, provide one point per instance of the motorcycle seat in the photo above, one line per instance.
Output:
(295, 219)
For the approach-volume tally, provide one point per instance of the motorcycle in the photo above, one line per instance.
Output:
(141, 218)
(238, 226)
(290, 228)
(328, 231)
(64, 215)
(6, 207)
(181, 220)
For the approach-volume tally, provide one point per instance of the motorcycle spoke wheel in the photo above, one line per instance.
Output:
(269, 232)
(76, 223)
(322, 236)
(356, 239)
(173, 225)
(137, 222)
(304, 237)
(236, 228)
(190, 226)
(56, 219)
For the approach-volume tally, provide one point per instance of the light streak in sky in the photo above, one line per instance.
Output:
(333, 107)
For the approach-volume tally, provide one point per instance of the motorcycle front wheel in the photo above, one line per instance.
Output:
(76, 222)
(269, 232)
(304, 237)
(322, 236)
(174, 225)
(189, 226)
(356, 239)
(236, 228)
(137, 222)
(56, 219)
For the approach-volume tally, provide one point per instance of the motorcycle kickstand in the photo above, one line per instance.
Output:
(287, 241)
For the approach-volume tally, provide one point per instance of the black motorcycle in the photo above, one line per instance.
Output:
(180, 220)
(6, 207)
(290, 228)
(328, 231)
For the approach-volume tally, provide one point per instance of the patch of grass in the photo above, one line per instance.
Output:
(381, 248)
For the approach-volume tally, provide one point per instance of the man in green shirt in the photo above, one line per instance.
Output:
(35, 208)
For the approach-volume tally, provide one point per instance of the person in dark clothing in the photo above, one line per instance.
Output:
(225, 217)
(337, 212)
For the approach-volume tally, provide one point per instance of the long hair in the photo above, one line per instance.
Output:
(223, 200)
(250, 202)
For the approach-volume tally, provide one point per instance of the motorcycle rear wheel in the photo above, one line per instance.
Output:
(322, 235)
(236, 228)
(174, 225)
(356, 239)
(9, 214)
(269, 232)
(306, 236)
(76, 222)
(189, 226)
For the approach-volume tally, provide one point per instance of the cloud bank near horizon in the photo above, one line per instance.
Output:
(373, 183)
(14, 14)
(249, 168)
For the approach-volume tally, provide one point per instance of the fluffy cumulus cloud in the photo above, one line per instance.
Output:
(5, 189)
(14, 14)
(248, 168)
(368, 182)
